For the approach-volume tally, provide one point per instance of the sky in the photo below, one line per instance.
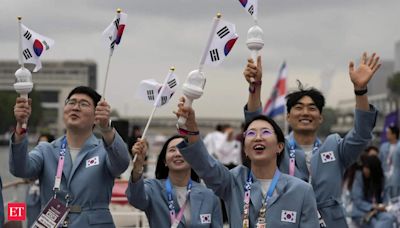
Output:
(316, 38)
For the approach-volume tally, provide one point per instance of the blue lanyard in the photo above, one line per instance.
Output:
(171, 207)
(60, 166)
(292, 152)
(270, 192)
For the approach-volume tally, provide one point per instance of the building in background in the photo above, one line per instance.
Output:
(53, 83)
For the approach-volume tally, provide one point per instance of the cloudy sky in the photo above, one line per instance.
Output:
(316, 38)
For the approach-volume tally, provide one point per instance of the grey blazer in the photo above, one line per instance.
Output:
(393, 181)
(327, 176)
(383, 156)
(292, 196)
(88, 185)
(150, 196)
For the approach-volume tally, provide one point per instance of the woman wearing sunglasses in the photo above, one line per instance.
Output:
(258, 196)
(174, 198)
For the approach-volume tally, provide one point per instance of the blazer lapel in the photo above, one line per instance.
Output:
(90, 145)
(280, 186)
(196, 200)
(256, 195)
(314, 164)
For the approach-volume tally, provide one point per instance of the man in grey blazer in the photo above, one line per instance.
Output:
(320, 163)
(90, 164)
(388, 149)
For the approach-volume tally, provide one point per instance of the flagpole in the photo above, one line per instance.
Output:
(20, 42)
(109, 60)
(210, 39)
(172, 69)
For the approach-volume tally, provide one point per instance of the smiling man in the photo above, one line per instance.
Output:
(322, 164)
(77, 168)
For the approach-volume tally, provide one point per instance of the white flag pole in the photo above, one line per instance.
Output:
(172, 69)
(210, 39)
(109, 60)
(20, 42)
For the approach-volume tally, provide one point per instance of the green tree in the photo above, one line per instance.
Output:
(7, 101)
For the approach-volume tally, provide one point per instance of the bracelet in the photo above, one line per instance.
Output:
(361, 92)
(252, 87)
(21, 131)
(182, 131)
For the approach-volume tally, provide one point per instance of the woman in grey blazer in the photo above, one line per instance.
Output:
(174, 198)
(368, 196)
(259, 196)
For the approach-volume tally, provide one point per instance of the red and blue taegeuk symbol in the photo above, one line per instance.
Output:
(38, 47)
(229, 45)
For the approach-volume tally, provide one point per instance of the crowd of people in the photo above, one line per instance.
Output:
(261, 177)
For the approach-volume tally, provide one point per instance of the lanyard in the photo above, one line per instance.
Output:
(176, 219)
(246, 206)
(60, 166)
(292, 153)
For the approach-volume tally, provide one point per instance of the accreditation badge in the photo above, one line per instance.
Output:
(52, 216)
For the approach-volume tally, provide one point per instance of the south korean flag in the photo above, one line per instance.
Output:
(223, 40)
(288, 216)
(34, 46)
(150, 89)
(328, 156)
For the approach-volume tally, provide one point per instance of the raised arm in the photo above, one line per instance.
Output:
(215, 175)
(137, 192)
(253, 75)
(365, 115)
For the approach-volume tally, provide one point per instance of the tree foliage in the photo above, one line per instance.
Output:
(7, 101)
(330, 117)
(393, 83)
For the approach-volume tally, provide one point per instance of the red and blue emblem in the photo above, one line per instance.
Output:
(229, 45)
(37, 47)
(243, 2)
(119, 34)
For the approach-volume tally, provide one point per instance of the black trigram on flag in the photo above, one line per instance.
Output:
(45, 44)
(112, 44)
(116, 23)
(251, 9)
(27, 54)
(223, 32)
(150, 95)
(214, 55)
(164, 100)
(172, 83)
(27, 35)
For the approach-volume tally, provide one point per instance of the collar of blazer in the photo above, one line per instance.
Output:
(257, 197)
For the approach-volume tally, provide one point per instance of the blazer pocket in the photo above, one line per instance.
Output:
(97, 217)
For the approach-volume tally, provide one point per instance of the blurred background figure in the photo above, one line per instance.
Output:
(388, 148)
(368, 196)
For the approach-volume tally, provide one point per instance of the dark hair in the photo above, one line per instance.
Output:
(87, 91)
(395, 130)
(50, 137)
(368, 149)
(278, 132)
(373, 186)
(293, 98)
(161, 169)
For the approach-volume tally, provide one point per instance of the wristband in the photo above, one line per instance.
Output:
(20, 131)
(182, 131)
(252, 87)
(361, 92)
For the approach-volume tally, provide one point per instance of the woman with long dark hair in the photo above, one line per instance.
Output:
(259, 196)
(174, 198)
(368, 195)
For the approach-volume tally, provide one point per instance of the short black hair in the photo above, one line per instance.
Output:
(278, 132)
(87, 91)
(395, 130)
(161, 169)
(293, 98)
